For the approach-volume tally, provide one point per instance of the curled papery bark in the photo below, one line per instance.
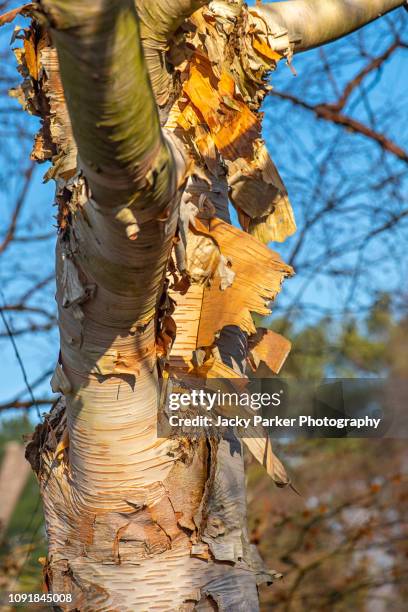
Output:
(311, 23)
(159, 21)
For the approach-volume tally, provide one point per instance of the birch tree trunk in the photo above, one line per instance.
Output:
(150, 117)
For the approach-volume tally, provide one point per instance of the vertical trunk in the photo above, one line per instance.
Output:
(128, 515)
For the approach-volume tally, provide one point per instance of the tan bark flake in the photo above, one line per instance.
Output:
(270, 348)
(259, 275)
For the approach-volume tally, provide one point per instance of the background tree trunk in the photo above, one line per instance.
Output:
(14, 472)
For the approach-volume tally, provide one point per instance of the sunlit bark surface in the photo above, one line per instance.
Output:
(150, 118)
(311, 23)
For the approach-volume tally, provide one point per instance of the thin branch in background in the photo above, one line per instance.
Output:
(373, 65)
(18, 403)
(18, 356)
(17, 209)
(32, 329)
(328, 70)
(34, 238)
(21, 307)
(326, 112)
(26, 405)
(40, 285)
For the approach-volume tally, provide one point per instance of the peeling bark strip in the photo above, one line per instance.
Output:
(224, 82)
(135, 522)
(159, 21)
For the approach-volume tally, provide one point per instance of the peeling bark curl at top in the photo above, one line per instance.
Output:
(159, 21)
(312, 23)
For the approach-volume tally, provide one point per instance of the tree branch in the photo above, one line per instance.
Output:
(329, 113)
(26, 405)
(374, 64)
(311, 23)
(110, 101)
(17, 209)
